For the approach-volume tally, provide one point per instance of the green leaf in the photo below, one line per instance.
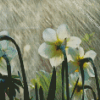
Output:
(42, 79)
(15, 76)
(86, 37)
(92, 34)
(16, 99)
(17, 81)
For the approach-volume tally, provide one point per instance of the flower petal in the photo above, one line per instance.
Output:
(90, 71)
(3, 67)
(90, 54)
(49, 35)
(74, 42)
(86, 74)
(73, 52)
(85, 96)
(71, 67)
(4, 43)
(63, 32)
(47, 51)
(1, 53)
(11, 53)
(81, 51)
(56, 60)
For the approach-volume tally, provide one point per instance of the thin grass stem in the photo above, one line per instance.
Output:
(74, 88)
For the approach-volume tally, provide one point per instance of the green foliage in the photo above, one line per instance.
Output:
(43, 79)
(88, 37)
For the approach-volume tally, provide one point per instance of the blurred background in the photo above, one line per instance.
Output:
(25, 20)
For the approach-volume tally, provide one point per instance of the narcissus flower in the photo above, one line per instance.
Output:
(50, 49)
(7, 50)
(78, 54)
(78, 90)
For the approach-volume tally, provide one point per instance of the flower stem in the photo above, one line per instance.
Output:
(2, 92)
(88, 87)
(63, 82)
(95, 71)
(74, 88)
(9, 76)
(26, 93)
(65, 64)
(82, 75)
(96, 77)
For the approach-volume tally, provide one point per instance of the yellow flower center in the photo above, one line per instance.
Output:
(78, 89)
(58, 44)
(0, 58)
(78, 63)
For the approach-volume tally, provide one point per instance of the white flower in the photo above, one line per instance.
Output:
(78, 90)
(50, 49)
(78, 54)
(5, 49)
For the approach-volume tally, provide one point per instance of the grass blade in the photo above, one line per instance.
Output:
(41, 93)
(52, 88)
(36, 91)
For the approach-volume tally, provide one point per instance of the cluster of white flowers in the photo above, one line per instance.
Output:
(9, 51)
(51, 50)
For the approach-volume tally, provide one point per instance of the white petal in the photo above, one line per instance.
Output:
(81, 51)
(47, 51)
(63, 32)
(49, 35)
(73, 78)
(56, 60)
(90, 71)
(85, 96)
(73, 52)
(74, 42)
(69, 58)
(90, 54)
(77, 96)
(87, 82)
(71, 67)
(11, 53)
(86, 74)
(3, 67)
(1, 53)
(4, 43)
